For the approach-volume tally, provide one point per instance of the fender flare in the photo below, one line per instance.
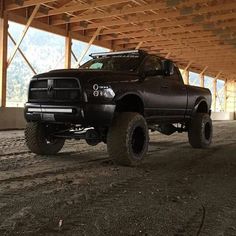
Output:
(122, 95)
(197, 103)
(119, 97)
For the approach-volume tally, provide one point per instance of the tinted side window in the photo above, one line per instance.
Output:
(176, 76)
(152, 63)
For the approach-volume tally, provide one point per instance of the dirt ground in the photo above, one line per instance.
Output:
(177, 191)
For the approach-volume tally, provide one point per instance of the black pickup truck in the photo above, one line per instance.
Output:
(115, 98)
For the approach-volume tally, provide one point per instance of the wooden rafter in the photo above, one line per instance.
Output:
(88, 46)
(139, 45)
(203, 32)
(23, 33)
(80, 7)
(29, 3)
(22, 54)
(204, 70)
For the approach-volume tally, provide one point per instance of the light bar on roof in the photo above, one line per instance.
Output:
(103, 54)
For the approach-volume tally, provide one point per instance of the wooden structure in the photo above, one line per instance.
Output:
(199, 35)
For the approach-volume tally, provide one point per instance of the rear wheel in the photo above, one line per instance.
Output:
(200, 131)
(127, 139)
(39, 142)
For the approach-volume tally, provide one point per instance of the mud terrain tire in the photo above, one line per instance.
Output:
(38, 143)
(200, 131)
(127, 139)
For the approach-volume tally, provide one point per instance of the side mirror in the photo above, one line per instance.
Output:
(168, 67)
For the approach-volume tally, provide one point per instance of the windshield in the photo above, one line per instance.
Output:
(126, 64)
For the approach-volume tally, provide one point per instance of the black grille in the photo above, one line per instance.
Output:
(54, 90)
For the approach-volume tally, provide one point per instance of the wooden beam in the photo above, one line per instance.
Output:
(114, 13)
(215, 92)
(149, 7)
(80, 7)
(68, 44)
(168, 55)
(218, 75)
(186, 76)
(186, 73)
(22, 54)
(165, 26)
(24, 33)
(3, 59)
(74, 56)
(170, 14)
(189, 64)
(139, 45)
(89, 45)
(202, 80)
(195, 30)
(175, 39)
(56, 30)
(225, 95)
(24, 4)
(204, 70)
(2, 8)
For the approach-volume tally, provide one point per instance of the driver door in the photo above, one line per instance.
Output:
(152, 87)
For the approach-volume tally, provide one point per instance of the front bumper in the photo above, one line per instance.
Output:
(87, 114)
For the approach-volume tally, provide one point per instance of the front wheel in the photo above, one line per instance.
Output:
(127, 139)
(200, 131)
(39, 142)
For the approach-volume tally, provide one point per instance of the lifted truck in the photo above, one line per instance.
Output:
(115, 98)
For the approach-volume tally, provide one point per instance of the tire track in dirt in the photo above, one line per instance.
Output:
(43, 174)
(101, 200)
(154, 199)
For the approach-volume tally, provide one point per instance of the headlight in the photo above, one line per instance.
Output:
(103, 91)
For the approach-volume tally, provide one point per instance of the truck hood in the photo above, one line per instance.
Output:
(90, 76)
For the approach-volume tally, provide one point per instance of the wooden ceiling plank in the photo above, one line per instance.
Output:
(80, 7)
(161, 15)
(29, 3)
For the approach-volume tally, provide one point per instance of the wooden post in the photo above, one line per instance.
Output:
(214, 95)
(68, 51)
(186, 73)
(225, 95)
(3, 59)
(201, 77)
(186, 76)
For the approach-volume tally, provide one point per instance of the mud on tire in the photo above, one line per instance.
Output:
(200, 131)
(127, 139)
(37, 141)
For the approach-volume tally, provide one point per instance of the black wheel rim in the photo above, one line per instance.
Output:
(138, 140)
(207, 131)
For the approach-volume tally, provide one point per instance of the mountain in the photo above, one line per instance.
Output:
(45, 51)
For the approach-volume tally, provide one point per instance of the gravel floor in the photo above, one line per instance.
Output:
(177, 191)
